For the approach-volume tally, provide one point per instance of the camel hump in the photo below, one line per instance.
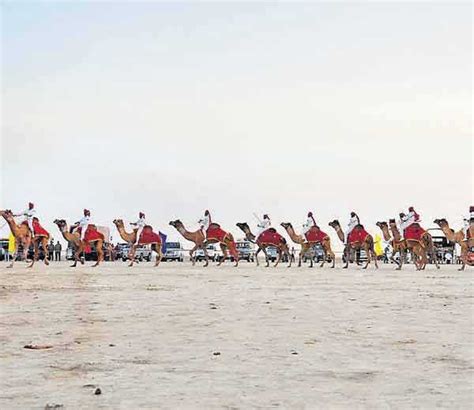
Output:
(214, 226)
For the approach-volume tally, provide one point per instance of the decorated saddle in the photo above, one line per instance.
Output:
(215, 232)
(358, 234)
(315, 235)
(92, 234)
(414, 232)
(39, 230)
(148, 236)
(270, 237)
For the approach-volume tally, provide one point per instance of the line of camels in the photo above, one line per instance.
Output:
(419, 249)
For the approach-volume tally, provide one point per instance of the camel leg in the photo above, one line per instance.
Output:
(206, 256)
(100, 253)
(224, 253)
(330, 253)
(256, 255)
(347, 253)
(35, 254)
(15, 253)
(46, 250)
(191, 254)
(159, 254)
(287, 252)
(324, 257)
(464, 249)
(369, 256)
(131, 254)
(278, 258)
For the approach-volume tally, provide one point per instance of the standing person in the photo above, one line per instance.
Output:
(84, 222)
(353, 222)
(29, 214)
(51, 250)
(139, 225)
(57, 251)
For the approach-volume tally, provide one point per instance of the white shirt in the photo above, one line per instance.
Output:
(308, 225)
(29, 213)
(84, 221)
(140, 223)
(353, 222)
(205, 222)
(265, 224)
(409, 220)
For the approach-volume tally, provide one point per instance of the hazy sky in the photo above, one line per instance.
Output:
(239, 108)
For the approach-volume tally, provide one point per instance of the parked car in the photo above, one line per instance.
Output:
(246, 250)
(442, 245)
(316, 254)
(88, 256)
(211, 252)
(174, 252)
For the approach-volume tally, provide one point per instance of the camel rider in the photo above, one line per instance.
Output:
(401, 223)
(139, 225)
(409, 219)
(29, 214)
(206, 221)
(84, 223)
(310, 223)
(264, 224)
(468, 221)
(353, 222)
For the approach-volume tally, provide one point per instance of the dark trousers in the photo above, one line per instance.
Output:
(51, 256)
(58, 255)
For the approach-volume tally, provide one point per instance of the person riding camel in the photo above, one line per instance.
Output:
(83, 223)
(310, 223)
(409, 220)
(139, 225)
(468, 221)
(353, 222)
(29, 214)
(205, 222)
(264, 225)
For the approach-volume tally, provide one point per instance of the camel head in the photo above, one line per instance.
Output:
(286, 225)
(7, 214)
(382, 225)
(177, 224)
(118, 223)
(62, 225)
(441, 222)
(335, 224)
(244, 226)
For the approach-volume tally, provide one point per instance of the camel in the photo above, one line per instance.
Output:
(200, 242)
(307, 245)
(79, 245)
(459, 238)
(399, 245)
(22, 236)
(131, 239)
(420, 249)
(279, 243)
(367, 244)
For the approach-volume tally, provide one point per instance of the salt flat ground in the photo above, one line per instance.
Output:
(187, 337)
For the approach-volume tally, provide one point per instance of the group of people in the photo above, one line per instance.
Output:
(405, 222)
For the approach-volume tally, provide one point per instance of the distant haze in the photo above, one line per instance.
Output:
(172, 109)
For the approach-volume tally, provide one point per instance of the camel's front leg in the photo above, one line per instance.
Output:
(45, 250)
(131, 254)
(464, 249)
(191, 254)
(256, 255)
(325, 255)
(15, 253)
(159, 253)
(347, 253)
(35, 254)
(206, 256)
(278, 258)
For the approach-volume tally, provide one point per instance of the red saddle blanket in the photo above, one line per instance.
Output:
(215, 232)
(92, 234)
(315, 235)
(39, 230)
(270, 236)
(413, 232)
(148, 236)
(358, 234)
